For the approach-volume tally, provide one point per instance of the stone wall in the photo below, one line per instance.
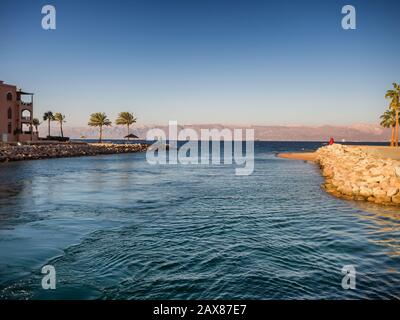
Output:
(60, 150)
(351, 173)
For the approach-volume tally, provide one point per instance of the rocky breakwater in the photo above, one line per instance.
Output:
(61, 150)
(353, 174)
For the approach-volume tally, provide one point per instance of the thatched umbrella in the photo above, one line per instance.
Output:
(131, 135)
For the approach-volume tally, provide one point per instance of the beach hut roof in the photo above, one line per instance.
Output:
(131, 135)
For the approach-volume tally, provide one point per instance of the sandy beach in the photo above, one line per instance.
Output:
(305, 156)
(382, 151)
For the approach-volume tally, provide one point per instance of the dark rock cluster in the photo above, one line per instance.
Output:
(61, 150)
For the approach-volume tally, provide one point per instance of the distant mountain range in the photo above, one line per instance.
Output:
(356, 132)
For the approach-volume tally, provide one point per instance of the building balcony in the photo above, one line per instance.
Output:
(25, 104)
(26, 119)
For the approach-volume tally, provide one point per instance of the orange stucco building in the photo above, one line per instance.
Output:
(16, 114)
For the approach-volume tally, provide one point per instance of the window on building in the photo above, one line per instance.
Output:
(9, 113)
(26, 114)
(9, 96)
(26, 128)
(9, 128)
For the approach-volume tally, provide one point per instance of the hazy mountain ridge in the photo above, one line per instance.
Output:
(355, 132)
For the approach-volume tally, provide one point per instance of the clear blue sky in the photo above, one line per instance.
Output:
(204, 61)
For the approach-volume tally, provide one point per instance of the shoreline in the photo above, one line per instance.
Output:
(359, 173)
(305, 156)
(11, 153)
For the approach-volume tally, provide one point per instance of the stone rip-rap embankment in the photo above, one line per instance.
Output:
(45, 151)
(353, 174)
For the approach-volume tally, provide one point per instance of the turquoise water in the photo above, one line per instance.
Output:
(115, 227)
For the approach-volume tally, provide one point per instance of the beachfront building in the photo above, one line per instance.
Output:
(16, 114)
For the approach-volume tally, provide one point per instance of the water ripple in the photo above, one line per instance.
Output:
(115, 227)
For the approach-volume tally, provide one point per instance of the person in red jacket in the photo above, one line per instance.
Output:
(331, 141)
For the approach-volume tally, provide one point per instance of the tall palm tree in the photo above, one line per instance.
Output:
(36, 124)
(394, 95)
(48, 116)
(60, 118)
(388, 120)
(126, 119)
(99, 119)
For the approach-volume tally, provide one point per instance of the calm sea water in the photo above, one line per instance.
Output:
(115, 227)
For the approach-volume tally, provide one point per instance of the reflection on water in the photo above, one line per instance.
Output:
(10, 190)
(385, 227)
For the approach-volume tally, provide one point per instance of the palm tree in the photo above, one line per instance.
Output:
(36, 124)
(48, 116)
(394, 95)
(388, 120)
(126, 119)
(99, 119)
(60, 118)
